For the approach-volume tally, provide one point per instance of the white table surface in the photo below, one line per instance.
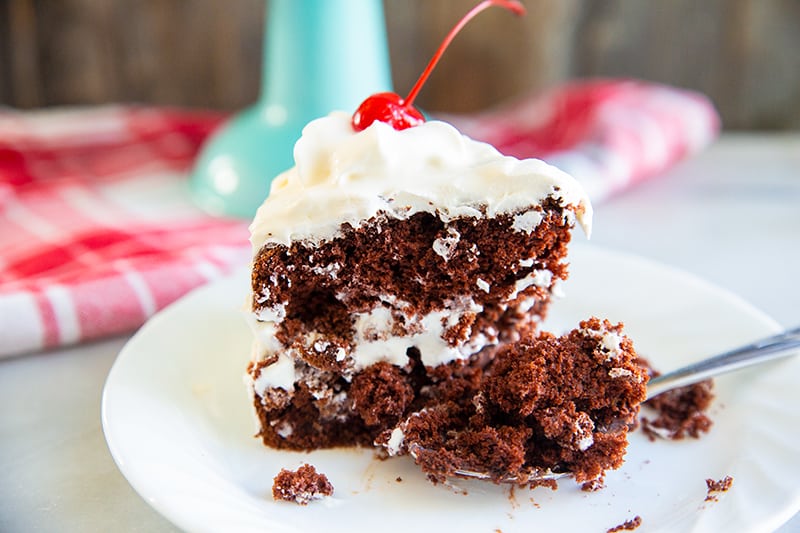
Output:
(730, 215)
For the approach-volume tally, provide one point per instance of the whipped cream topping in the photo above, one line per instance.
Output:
(346, 177)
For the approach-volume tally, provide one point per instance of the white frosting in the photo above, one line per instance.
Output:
(557, 291)
(374, 340)
(284, 430)
(527, 221)
(279, 374)
(445, 246)
(275, 313)
(539, 278)
(343, 176)
(583, 427)
(586, 442)
(266, 341)
(619, 372)
(395, 444)
(304, 497)
(526, 304)
(610, 342)
(483, 285)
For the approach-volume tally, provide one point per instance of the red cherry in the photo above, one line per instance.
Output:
(399, 112)
(389, 108)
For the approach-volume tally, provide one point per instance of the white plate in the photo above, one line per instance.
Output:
(178, 423)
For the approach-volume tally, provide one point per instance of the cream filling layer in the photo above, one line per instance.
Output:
(375, 339)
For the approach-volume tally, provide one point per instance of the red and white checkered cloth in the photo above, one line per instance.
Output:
(97, 230)
(607, 133)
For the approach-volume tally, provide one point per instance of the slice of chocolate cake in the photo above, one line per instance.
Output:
(545, 405)
(388, 265)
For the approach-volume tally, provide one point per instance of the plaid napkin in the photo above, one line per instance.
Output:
(607, 133)
(97, 231)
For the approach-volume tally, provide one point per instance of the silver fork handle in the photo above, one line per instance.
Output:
(774, 347)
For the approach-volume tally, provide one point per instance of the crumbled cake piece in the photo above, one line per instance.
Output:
(680, 412)
(628, 525)
(715, 488)
(545, 404)
(301, 486)
(595, 484)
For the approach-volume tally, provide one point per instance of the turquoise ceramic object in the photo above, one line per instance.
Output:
(319, 56)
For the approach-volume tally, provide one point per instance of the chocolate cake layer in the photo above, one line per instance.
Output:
(376, 399)
(422, 261)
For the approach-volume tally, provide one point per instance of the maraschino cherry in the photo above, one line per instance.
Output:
(399, 112)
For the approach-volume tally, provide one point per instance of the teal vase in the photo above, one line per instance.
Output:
(319, 56)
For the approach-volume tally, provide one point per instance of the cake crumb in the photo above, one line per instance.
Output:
(301, 486)
(593, 485)
(629, 525)
(551, 484)
(399, 479)
(680, 413)
(715, 488)
(512, 497)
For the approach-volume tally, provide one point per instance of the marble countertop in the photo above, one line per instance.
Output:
(730, 216)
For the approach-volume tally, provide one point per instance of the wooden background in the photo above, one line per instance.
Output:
(745, 54)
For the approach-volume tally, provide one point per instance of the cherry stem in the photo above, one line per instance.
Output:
(512, 5)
